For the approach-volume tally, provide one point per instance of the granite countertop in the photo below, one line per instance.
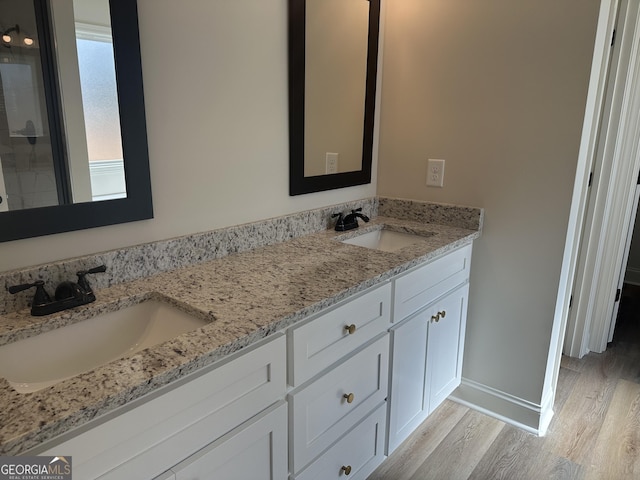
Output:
(245, 296)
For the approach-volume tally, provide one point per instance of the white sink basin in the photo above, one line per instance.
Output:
(46, 359)
(387, 240)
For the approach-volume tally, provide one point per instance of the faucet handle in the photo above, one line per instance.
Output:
(25, 286)
(99, 269)
(357, 213)
(40, 298)
(82, 281)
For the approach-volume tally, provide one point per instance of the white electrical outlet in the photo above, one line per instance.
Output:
(331, 162)
(435, 172)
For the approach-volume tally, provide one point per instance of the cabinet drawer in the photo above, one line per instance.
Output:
(420, 287)
(152, 437)
(254, 451)
(321, 413)
(359, 452)
(324, 340)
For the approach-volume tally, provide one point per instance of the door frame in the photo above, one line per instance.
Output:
(608, 212)
(572, 262)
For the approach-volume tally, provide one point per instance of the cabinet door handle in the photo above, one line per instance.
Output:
(442, 314)
(349, 397)
(350, 328)
(346, 470)
(435, 318)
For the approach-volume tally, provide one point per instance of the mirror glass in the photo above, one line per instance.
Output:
(333, 50)
(74, 155)
(73, 151)
(335, 80)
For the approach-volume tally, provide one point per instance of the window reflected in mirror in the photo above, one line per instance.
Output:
(60, 140)
(100, 111)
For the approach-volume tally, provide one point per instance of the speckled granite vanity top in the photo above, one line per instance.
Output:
(246, 297)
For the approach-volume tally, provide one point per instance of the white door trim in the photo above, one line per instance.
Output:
(610, 209)
(586, 154)
(620, 206)
(579, 216)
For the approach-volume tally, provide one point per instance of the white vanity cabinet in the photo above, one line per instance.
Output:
(339, 373)
(427, 341)
(327, 399)
(231, 410)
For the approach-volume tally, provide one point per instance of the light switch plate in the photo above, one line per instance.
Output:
(435, 173)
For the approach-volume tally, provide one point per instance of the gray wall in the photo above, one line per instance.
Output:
(497, 88)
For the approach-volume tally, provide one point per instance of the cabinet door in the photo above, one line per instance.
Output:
(446, 345)
(409, 399)
(256, 451)
(426, 363)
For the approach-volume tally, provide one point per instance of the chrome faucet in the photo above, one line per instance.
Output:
(349, 221)
(68, 294)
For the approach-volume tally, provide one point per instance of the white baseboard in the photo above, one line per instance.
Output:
(515, 411)
(546, 413)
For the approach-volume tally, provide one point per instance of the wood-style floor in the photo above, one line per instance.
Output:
(595, 433)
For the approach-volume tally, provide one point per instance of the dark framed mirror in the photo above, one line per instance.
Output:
(67, 211)
(333, 57)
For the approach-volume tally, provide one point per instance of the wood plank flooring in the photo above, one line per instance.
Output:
(594, 435)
